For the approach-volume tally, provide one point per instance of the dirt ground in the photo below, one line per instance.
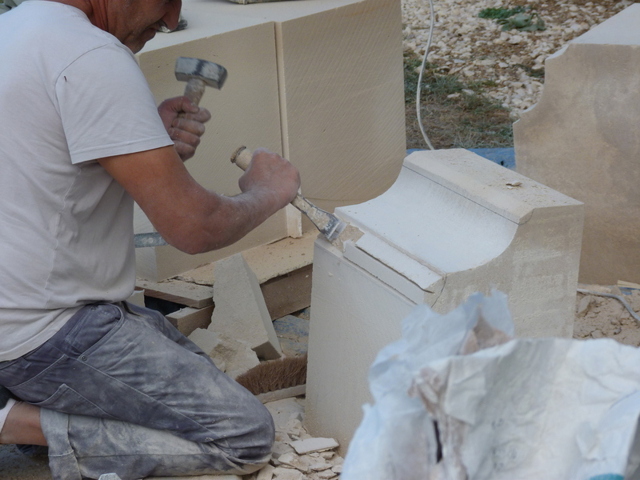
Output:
(602, 317)
(16, 466)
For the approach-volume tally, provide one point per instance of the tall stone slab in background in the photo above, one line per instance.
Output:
(319, 81)
(583, 139)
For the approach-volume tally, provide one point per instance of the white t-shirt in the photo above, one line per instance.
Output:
(70, 93)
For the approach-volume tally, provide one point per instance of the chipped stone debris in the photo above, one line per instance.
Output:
(477, 49)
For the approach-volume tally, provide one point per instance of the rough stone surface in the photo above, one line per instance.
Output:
(240, 311)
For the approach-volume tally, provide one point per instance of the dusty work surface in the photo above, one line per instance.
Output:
(16, 466)
(598, 316)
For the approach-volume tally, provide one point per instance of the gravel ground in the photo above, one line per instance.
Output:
(477, 49)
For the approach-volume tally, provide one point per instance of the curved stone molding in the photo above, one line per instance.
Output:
(453, 224)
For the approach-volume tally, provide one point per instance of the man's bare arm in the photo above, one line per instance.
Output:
(192, 218)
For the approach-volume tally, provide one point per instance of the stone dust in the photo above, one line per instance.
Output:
(604, 317)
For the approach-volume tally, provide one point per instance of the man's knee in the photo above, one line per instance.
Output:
(254, 445)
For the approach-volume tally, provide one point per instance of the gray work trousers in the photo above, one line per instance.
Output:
(121, 390)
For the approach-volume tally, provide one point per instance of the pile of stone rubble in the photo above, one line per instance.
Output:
(478, 49)
(297, 455)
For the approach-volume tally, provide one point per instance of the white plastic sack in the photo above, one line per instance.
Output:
(525, 409)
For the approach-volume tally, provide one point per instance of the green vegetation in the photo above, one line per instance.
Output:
(500, 13)
(514, 18)
(455, 114)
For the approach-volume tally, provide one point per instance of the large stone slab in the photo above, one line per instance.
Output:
(582, 139)
(319, 81)
(453, 224)
(248, 52)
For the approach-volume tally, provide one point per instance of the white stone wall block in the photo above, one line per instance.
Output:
(319, 81)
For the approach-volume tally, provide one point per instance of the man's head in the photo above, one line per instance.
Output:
(133, 22)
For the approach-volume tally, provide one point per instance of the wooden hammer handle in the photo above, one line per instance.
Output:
(242, 157)
(194, 90)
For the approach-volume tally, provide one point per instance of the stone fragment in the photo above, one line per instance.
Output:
(281, 473)
(285, 410)
(279, 449)
(266, 473)
(583, 305)
(300, 463)
(326, 475)
(231, 356)
(294, 427)
(314, 444)
(319, 465)
(240, 310)
(137, 298)
(187, 319)
(282, 437)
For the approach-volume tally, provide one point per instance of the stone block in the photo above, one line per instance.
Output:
(319, 81)
(581, 139)
(240, 311)
(453, 224)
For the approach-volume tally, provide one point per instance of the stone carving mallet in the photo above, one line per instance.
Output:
(198, 74)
